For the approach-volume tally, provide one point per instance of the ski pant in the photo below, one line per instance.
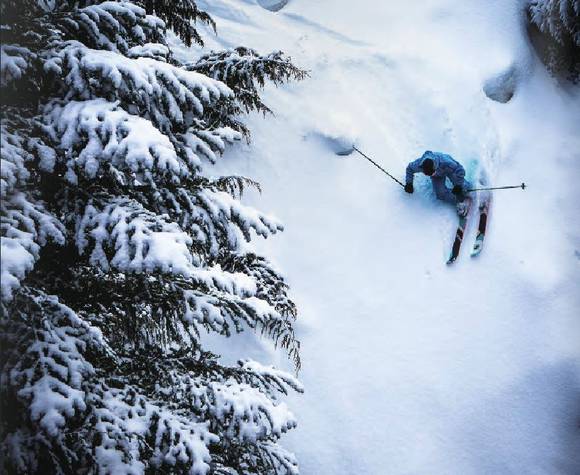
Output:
(441, 191)
(483, 182)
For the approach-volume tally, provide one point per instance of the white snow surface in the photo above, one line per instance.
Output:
(411, 366)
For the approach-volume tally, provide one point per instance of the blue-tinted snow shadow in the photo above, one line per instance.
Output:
(532, 427)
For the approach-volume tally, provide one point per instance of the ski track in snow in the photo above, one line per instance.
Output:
(411, 366)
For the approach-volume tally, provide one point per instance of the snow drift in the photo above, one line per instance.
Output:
(410, 366)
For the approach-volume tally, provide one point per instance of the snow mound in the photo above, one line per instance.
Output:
(501, 88)
(273, 5)
(338, 144)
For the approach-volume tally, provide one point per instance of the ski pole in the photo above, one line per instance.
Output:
(522, 186)
(379, 167)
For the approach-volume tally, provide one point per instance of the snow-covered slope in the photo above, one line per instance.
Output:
(411, 366)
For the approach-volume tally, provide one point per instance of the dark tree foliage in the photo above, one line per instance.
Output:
(179, 15)
(119, 252)
(554, 28)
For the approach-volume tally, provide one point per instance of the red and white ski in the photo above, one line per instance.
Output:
(483, 219)
(459, 234)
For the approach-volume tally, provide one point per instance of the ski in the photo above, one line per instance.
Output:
(483, 217)
(459, 235)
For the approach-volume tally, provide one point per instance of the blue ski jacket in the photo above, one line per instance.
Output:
(445, 167)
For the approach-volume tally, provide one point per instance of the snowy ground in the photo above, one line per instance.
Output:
(412, 367)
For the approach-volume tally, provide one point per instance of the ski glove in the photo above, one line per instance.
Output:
(458, 192)
(409, 187)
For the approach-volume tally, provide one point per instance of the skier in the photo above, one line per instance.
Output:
(440, 166)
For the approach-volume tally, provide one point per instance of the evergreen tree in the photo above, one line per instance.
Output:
(118, 249)
(555, 31)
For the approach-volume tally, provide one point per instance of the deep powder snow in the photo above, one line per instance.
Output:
(411, 366)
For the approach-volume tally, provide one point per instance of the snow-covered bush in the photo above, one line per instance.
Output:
(118, 248)
(555, 32)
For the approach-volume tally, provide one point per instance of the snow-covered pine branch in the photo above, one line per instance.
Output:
(180, 16)
(558, 41)
(118, 249)
(14, 61)
(167, 95)
(559, 18)
(25, 224)
(74, 417)
(97, 136)
(119, 26)
(245, 71)
(270, 286)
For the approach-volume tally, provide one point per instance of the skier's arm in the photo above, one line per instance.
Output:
(457, 177)
(412, 168)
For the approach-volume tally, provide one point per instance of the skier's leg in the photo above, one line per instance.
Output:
(441, 191)
(483, 182)
(466, 201)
